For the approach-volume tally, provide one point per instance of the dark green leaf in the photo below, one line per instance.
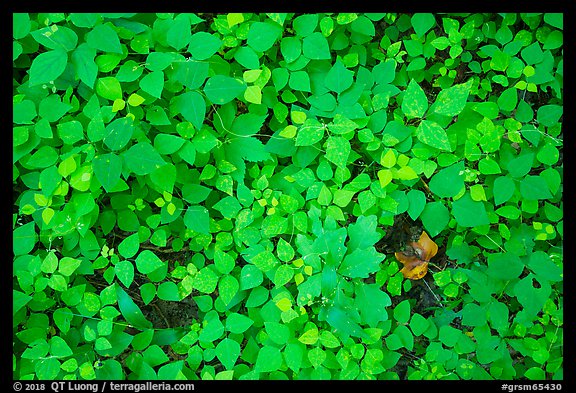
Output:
(262, 35)
(203, 45)
(47, 67)
(222, 89)
(469, 213)
(104, 38)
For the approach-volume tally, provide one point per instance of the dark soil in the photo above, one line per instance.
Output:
(164, 314)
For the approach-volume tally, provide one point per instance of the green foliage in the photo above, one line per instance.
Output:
(213, 196)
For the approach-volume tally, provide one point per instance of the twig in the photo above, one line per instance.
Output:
(435, 296)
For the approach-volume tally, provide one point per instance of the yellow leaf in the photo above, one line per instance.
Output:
(118, 105)
(385, 177)
(284, 304)
(135, 99)
(171, 208)
(40, 200)
(253, 94)
(289, 131)
(388, 159)
(47, 215)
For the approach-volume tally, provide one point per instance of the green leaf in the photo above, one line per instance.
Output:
(47, 67)
(300, 81)
(168, 144)
(104, 38)
(86, 68)
(227, 351)
(284, 250)
(192, 107)
(534, 188)
(508, 99)
(197, 219)
(339, 78)
(341, 321)
(278, 332)
(47, 369)
(238, 323)
(269, 359)
(549, 115)
(143, 159)
(451, 101)
(363, 234)
(419, 324)
(250, 277)
(147, 262)
(153, 83)
(247, 58)
(154, 356)
(432, 134)
(309, 134)
(263, 35)
(191, 74)
(503, 189)
(20, 25)
(435, 217)
(56, 37)
(118, 133)
(253, 94)
(130, 311)
(293, 354)
(203, 45)
(384, 72)
(422, 23)
(504, 266)
(213, 329)
(24, 112)
(125, 272)
(360, 263)
(178, 34)
(415, 102)
(205, 280)
(24, 239)
(372, 303)
(109, 88)
(337, 151)
(228, 206)
(548, 154)
(129, 246)
(417, 202)
(291, 48)
(315, 47)
(227, 288)
(449, 181)
(168, 291)
(265, 261)
(544, 268)
(68, 265)
(221, 89)
(469, 213)
(402, 312)
(107, 168)
(70, 132)
(19, 300)
(249, 149)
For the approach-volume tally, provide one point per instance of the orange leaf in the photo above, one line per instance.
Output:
(425, 247)
(401, 257)
(414, 268)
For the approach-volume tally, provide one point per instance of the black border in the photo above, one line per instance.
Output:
(333, 6)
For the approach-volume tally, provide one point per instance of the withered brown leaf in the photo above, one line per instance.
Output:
(416, 265)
